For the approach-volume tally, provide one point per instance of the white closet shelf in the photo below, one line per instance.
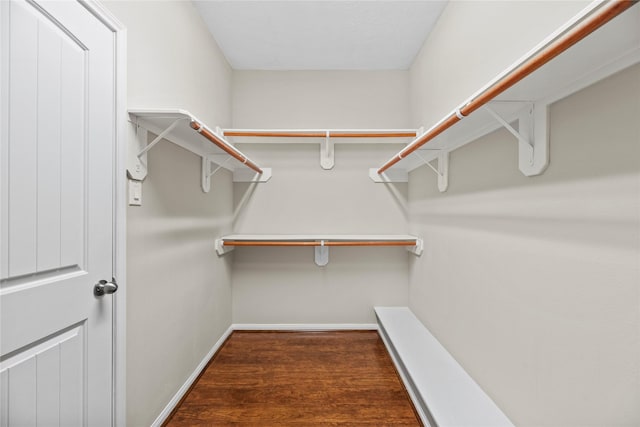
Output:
(321, 242)
(297, 136)
(327, 138)
(570, 59)
(185, 130)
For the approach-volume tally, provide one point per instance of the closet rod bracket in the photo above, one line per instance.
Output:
(321, 254)
(139, 146)
(208, 163)
(136, 158)
(213, 163)
(327, 153)
(418, 248)
(532, 135)
(442, 171)
(221, 249)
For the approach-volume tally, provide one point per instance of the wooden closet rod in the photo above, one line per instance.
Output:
(320, 134)
(318, 243)
(224, 146)
(607, 12)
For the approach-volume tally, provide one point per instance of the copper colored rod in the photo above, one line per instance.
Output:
(224, 147)
(279, 134)
(318, 243)
(371, 243)
(564, 42)
(322, 134)
(446, 124)
(373, 135)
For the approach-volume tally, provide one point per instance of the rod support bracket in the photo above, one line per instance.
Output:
(208, 170)
(442, 171)
(137, 163)
(418, 248)
(221, 249)
(321, 254)
(532, 135)
(327, 152)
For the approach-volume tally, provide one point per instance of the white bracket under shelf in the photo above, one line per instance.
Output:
(212, 164)
(138, 148)
(327, 153)
(442, 171)
(532, 135)
(418, 248)
(321, 255)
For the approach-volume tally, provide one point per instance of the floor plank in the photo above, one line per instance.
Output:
(302, 378)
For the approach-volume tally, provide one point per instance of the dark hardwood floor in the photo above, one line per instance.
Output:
(298, 378)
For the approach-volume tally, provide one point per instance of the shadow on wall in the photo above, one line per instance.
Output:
(301, 197)
(532, 283)
(589, 192)
(400, 195)
(593, 134)
(173, 186)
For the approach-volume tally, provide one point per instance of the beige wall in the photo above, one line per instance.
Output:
(284, 285)
(472, 42)
(533, 284)
(178, 290)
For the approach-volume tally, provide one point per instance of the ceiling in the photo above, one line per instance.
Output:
(320, 34)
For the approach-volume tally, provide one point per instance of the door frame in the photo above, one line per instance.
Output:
(119, 392)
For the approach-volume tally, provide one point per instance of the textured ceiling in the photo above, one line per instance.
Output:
(320, 35)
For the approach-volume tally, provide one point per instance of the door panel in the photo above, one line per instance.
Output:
(57, 98)
(44, 381)
(22, 156)
(47, 105)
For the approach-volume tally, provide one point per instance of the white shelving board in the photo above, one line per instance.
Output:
(174, 126)
(610, 49)
(319, 237)
(321, 251)
(158, 120)
(443, 393)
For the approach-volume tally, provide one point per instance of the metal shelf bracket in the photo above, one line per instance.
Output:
(138, 148)
(532, 135)
(321, 254)
(239, 175)
(221, 249)
(418, 248)
(442, 171)
(327, 153)
(207, 173)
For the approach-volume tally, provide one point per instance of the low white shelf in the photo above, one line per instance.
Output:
(442, 391)
(320, 242)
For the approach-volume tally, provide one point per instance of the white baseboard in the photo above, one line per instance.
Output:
(185, 387)
(305, 326)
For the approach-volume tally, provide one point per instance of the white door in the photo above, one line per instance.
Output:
(57, 133)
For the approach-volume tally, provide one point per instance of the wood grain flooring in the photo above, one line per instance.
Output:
(298, 378)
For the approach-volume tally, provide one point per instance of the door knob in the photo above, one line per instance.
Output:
(104, 287)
